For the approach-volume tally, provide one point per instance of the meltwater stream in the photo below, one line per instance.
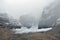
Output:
(32, 29)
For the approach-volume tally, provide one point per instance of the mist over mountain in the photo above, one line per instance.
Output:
(29, 20)
(29, 15)
(50, 15)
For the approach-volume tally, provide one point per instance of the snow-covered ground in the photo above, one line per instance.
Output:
(32, 29)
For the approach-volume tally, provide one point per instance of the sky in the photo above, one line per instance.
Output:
(17, 8)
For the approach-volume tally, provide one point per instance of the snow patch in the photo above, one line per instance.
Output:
(33, 29)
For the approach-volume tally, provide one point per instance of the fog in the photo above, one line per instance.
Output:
(20, 8)
(16, 8)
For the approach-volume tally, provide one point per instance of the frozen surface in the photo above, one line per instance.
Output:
(32, 29)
